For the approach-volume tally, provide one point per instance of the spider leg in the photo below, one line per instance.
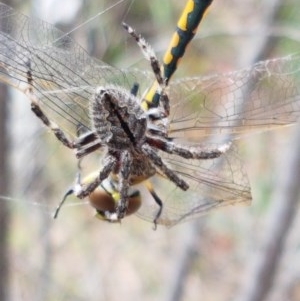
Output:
(80, 144)
(81, 191)
(157, 161)
(84, 145)
(123, 185)
(164, 99)
(188, 152)
(147, 51)
(60, 135)
(155, 65)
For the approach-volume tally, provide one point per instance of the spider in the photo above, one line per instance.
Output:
(131, 135)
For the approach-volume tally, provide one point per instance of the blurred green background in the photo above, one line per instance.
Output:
(78, 257)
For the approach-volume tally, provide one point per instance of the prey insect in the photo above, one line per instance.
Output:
(186, 28)
(171, 146)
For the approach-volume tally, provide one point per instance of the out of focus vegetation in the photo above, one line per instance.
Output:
(78, 257)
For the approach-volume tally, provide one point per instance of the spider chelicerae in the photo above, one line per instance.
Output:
(131, 136)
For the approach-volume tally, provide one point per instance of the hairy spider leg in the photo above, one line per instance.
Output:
(150, 55)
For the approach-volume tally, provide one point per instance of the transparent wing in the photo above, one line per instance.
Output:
(64, 78)
(261, 97)
(213, 183)
(62, 74)
(218, 108)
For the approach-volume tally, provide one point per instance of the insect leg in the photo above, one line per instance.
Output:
(70, 191)
(157, 200)
(134, 89)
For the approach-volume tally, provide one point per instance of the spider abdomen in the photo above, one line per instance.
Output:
(117, 118)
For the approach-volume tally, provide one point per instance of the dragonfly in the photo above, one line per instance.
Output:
(176, 151)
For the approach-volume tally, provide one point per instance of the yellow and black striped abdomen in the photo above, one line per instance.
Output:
(185, 31)
(187, 25)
